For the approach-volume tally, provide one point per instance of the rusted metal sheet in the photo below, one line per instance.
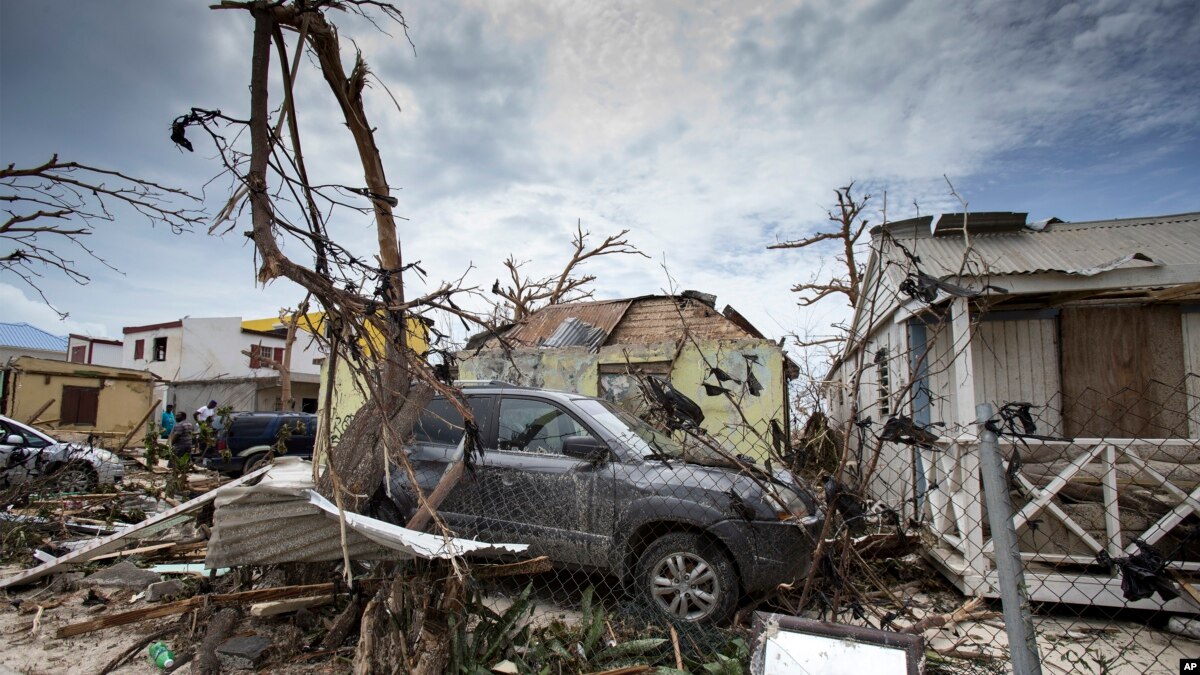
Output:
(604, 315)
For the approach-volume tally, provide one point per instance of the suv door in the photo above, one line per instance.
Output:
(303, 435)
(434, 445)
(534, 494)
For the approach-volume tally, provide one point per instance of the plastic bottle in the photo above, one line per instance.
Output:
(161, 655)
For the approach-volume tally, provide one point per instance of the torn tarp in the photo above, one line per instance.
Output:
(282, 519)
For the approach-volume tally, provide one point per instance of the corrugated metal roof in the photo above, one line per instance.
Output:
(574, 333)
(1069, 248)
(24, 336)
(603, 315)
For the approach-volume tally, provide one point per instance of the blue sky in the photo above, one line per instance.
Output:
(709, 130)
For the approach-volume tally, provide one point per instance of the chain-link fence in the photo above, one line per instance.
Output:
(1107, 524)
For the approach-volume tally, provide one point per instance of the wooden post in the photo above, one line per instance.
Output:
(964, 370)
(45, 406)
(132, 432)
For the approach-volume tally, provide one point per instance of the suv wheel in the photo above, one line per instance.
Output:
(75, 477)
(688, 579)
(253, 462)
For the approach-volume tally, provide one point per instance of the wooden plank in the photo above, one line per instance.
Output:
(277, 607)
(1112, 513)
(116, 540)
(135, 551)
(134, 430)
(1168, 522)
(181, 606)
(1047, 493)
(33, 419)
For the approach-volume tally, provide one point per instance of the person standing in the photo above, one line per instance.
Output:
(206, 414)
(167, 421)
(181, 437)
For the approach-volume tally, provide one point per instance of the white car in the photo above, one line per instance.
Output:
(27, 454)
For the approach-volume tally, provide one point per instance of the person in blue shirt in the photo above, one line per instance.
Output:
(168, 420)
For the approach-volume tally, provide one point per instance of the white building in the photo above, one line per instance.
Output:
(94, 351)
(201, 359)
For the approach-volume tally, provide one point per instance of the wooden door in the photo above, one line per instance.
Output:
(1122, 372)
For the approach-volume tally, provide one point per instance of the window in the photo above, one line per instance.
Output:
(885, 384)
(261, 356)
(535, 426)
(79, 405)
(255, 362)
(441, 423)
(250, 427)
(79, 354)
(32, 440)
(160, 349)
(279, 355)
(139, 350)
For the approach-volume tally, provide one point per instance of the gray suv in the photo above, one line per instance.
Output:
(593, 487)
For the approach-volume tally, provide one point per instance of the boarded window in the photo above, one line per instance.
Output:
(79, 405)
(160, 349)
(139, 349)
(79, 354)
(1122, 372)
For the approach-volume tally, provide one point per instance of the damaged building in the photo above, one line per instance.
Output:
(720, 360)
(1085, 336)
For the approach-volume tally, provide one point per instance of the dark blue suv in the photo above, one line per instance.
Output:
(249, 439)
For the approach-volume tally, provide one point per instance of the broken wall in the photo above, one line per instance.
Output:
(122, 396)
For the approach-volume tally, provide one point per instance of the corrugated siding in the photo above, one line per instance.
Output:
(1018, 361)
(1170, 240)
(662, 318)
(1191, 360)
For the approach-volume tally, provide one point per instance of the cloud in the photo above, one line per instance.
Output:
(709, 130)
(19, 308)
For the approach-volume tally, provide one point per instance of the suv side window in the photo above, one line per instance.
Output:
(250, 427)
(533, 426)
(441, 424)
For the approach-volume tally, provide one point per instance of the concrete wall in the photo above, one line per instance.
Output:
(123, 399)
(168, 369)
(739, 418)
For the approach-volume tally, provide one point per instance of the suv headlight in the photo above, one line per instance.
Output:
(793, 505)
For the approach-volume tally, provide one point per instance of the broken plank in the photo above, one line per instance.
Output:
(115, 541)
(276, 607)
(532, 566)
(135, 551)
(181, 606)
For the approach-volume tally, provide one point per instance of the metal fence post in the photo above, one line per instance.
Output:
(1018, 621)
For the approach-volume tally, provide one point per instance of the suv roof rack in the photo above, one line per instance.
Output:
(486, 383)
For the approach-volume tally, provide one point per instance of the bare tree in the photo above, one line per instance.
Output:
(525, 295)
(52, 209)
(366, 309)
(848, 229)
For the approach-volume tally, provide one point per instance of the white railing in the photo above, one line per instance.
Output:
(953, 511)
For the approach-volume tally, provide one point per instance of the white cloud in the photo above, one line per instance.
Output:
(18, 308)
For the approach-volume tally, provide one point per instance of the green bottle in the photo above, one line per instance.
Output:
(161, 655)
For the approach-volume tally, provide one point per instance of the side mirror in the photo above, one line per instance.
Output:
(585, 448)
(14, 439)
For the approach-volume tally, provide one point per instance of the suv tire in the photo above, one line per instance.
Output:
(253, 462)
(687, 578)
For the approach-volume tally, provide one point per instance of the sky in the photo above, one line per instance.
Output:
(708, 130)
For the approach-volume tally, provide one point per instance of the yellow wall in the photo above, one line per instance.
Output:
(124, 395)
(314, 322)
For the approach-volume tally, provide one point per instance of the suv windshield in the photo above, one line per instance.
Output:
(641, 437)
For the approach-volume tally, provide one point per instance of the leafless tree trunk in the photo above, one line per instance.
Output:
(848, 229)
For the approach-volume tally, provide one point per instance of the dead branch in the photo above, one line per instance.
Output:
(848, 229)
(53, 207)
(525, 294)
